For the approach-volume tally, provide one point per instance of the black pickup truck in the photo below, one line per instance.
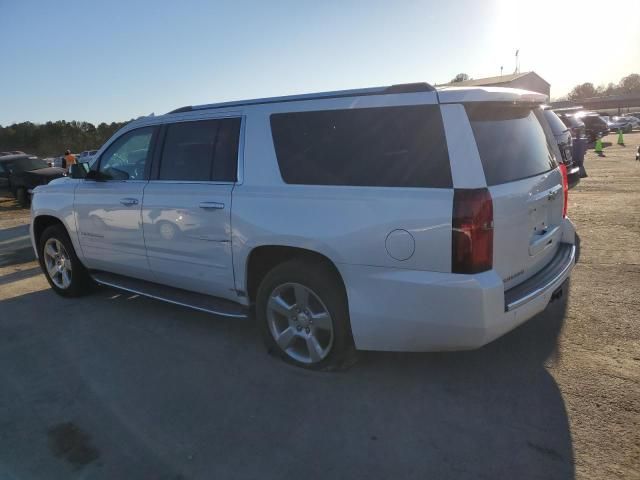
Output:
(20, 173)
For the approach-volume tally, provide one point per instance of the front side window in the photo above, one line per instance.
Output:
(368, 147)
(205, 150)
(128, 156)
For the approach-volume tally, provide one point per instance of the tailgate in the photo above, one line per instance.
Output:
(518, 153)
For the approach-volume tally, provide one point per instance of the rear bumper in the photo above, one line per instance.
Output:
(408, 310)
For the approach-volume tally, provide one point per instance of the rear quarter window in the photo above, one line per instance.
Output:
(514, 142)
(384, 147)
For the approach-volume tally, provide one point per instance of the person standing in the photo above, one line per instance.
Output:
(69, 159)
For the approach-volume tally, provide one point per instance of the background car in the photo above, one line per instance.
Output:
(574, 123)
(594, 125)
(85, 156)
(564, 138)
(635, 121)
(21, 173)
(620, 123)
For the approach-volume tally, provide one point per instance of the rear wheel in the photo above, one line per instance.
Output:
(64, 271)
(302, 311)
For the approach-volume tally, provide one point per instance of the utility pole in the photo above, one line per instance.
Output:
(517, 70)
(501, 67)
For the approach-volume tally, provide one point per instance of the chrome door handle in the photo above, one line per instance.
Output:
(127, 202)
(212, 205)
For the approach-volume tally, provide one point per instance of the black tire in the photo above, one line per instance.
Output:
(322, 280)
(81, 282)
(22, 197)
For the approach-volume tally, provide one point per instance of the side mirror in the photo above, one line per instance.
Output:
(79, 170)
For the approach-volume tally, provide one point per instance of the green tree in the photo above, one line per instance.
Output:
(585, 90)
(461, 77)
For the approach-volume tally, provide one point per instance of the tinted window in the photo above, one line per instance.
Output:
(557, 127)
(512, 141)
(389, 147)
(201, 151)
(127, 157)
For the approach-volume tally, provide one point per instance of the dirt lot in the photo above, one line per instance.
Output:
(114, 386)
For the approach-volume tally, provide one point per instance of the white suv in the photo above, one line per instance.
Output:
(396, 218)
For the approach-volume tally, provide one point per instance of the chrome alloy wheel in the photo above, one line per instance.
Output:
(57, 263)
(300, 323)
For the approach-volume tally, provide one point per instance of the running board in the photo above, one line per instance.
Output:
(185, 298)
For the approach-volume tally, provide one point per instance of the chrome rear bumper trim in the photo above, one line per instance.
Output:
(547, 278)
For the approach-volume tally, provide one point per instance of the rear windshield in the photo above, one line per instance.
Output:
(383, 147)
(514, 142)
(557, 127)
(572, 121)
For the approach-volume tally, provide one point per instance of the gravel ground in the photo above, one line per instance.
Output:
(116, 386)
(598, 365)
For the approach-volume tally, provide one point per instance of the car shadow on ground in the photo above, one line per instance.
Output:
(15, 246)
(117, 386)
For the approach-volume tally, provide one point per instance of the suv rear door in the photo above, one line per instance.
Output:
(518, 155)
(186, 211)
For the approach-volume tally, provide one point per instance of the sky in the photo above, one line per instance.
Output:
(116, 60)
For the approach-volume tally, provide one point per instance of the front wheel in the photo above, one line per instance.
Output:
(64, 271)
(302, 311)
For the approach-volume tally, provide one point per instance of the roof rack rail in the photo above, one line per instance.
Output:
(188, 108)
(399, 88)
(410, 88)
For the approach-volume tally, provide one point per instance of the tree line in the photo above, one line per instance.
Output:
(627, 85)
(53, 138)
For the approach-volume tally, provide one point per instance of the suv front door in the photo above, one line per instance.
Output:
(108, 206)
(186, 212)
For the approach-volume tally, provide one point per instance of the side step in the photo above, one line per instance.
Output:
(196, 301)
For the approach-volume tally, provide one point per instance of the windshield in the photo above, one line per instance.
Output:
(25, 164)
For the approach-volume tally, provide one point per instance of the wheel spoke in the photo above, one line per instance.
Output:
(51, 268)
(278, 305)
(50, 251)
(315, 350)
(322, 320)
(66, 277)
(285, 338)
(302, 296)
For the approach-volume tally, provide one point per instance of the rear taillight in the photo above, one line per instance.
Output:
(472, 236)
(565, 188)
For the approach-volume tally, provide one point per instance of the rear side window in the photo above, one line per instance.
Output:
(383, 147)
(205, 150)
(512, 141)
(557, 127)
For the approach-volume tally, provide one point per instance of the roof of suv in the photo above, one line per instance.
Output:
(445, 95)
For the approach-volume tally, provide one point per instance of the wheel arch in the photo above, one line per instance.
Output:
(42, 222)
(264, 258)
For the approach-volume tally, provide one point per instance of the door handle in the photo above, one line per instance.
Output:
(127, 202)
(212, 205)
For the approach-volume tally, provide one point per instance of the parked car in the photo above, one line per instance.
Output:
(20, 173)
(85, 156)
(395, 218)
(594, 125)
(620, 123)
(564, 139)
(635, 121)
(576, 126)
